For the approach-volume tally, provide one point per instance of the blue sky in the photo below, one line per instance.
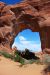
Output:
(11, 1)
(27, 38)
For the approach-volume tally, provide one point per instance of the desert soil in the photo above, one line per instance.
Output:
(9, 67)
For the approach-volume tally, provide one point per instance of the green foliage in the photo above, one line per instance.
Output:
(18, 58)
(17, 52)
(5, 54)
(22, 61)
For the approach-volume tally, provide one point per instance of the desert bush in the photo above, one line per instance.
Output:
(27, 54)
(22, 61)
(18, 58)
(5, 54)
(17, 52)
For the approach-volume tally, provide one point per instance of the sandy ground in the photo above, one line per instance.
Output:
(9, 67)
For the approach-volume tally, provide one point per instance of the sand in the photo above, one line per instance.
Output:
(9, 67)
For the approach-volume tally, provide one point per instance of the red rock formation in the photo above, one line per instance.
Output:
(34, 15)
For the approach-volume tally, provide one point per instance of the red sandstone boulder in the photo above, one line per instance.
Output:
(46, 51)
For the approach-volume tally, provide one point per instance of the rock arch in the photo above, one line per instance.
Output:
(25, 15)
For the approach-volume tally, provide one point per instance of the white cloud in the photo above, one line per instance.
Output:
(24, 41)
(27, 44)
(21, 38)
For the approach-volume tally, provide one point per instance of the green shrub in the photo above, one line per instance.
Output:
(18, 58)
(21, 60)
(5, 54)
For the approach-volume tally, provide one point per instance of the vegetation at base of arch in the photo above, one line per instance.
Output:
(17, 56)
(6, 54)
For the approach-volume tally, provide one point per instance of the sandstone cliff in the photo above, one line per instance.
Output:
(29, 14)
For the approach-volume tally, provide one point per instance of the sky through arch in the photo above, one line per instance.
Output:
(28, 39)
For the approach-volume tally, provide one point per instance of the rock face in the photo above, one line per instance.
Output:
(29, 14)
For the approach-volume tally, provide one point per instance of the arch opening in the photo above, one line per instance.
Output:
(27, 39)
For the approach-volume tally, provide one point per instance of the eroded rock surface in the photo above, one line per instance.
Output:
(28, 14)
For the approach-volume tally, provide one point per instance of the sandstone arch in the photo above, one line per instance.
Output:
(25, 15)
